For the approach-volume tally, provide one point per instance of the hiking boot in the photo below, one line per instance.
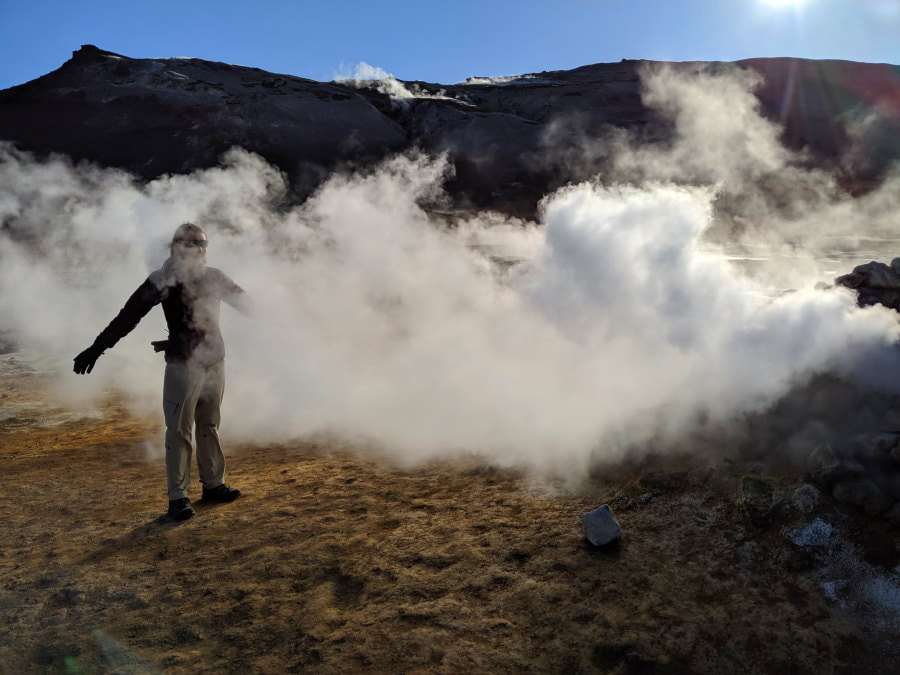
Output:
(180, 509)
(221, 493)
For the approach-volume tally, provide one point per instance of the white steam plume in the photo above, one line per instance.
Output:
(377, 324)
(766, 195)
(364, 76)
(721, 139)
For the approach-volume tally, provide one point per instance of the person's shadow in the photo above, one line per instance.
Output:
(139, 536)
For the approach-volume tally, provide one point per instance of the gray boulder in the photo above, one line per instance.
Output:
(601, 526)
(878, 275)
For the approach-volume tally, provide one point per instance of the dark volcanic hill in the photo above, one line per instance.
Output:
(157, 116)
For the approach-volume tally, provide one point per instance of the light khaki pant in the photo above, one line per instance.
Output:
(192, 394)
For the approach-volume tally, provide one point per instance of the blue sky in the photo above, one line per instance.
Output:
(444, 41)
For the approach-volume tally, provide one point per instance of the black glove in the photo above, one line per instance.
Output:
(84, 362)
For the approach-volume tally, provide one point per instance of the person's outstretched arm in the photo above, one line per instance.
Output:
(141, 301)
(234, 295)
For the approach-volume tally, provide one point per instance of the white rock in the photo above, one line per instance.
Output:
(601, 526)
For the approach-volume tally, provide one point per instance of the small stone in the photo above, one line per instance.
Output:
(757, 498)
(864, 494)
(806, 498)
(601, 526)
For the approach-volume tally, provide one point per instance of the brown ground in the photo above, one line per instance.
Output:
(334, 563)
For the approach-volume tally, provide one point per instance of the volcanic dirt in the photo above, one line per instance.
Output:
(333, 560)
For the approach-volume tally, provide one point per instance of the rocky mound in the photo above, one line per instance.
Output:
(863, 469)
(506, 136)
(875, 283)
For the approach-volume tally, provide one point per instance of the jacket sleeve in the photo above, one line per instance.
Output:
(141, 301)
(234, 295)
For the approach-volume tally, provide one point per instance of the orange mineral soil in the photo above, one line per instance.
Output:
(335, 561)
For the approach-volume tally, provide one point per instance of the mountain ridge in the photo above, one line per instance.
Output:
(174, 115)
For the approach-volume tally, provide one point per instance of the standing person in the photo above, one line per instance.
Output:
(191, 294)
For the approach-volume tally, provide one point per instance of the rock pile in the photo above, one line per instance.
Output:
(864, 473)
(875, 283)
(865, 470)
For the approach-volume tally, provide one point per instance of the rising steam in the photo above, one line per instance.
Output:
(379, 324)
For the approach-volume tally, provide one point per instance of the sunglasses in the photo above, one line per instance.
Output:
(194, 243)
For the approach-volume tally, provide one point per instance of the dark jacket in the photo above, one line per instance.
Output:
(191, 307)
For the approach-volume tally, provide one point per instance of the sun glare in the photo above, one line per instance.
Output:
(782, 3)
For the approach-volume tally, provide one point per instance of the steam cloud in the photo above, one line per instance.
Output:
(378, 323)
(366, 76)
